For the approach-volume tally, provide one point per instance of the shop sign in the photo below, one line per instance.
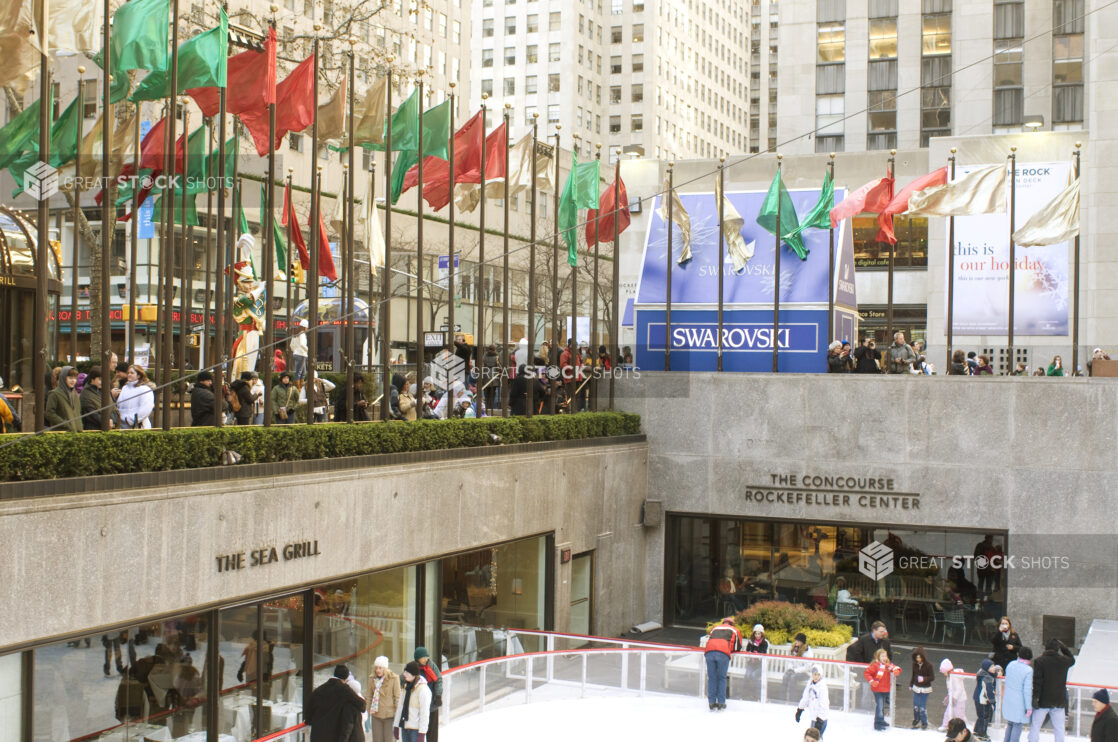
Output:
(795, 490)
(238, 560)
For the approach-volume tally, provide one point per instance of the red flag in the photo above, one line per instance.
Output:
(899, 204)
(606, 205)
(294, 234)
(295, 108)
(497, 153)
(873, 197)
(436, 171)
(326, 267)
(250, 82)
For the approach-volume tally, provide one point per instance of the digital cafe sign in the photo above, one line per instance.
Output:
(239, 560)
(795, 490)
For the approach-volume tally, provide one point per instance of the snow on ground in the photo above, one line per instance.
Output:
(613, 715)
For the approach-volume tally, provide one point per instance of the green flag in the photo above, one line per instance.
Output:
(789, 224)
(436, 130)
(580, 192)
(64, 136)
(405, 125)
(120, 85)
(281, 246)
(404, 162)
(202, 64)
(820, 215)
(19, 134)
(194, 179)
(140, 36)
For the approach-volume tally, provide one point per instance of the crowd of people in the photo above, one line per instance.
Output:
(905, 358)
(1033, 689)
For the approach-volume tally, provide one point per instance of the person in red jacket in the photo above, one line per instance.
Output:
(880, 676)
(722, 641)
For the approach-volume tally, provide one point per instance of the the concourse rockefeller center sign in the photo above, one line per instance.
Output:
(747, 329)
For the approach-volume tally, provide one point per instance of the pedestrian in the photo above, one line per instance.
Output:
(1006, 643)
(257, 389)
(900, 355)
(202, 400)
(983, 367)
(279, 363)
(415, 711)
(63, 409)
(298, 346)
(811, 734)
(242, 387)
(722, 641)
(1097, 355)
(408, 405)
(136, 401)
(1105, 726)
(434, 678)
(490, 376)
(284, 401)
(816, 701)
(957, 731)
(797, 670)
(880, 676)
(955, 702)
(1056, 368)
(334, 710)
(383, 691)
(757, 644)
(1039, 371)
(862, 651)
(9, 421)
(320, 400)
(835, 362)
(921, 684)
(394, 391)
(972, 362)
(359, 403)
(1017, 695)
(518, 392)
(984, 697)
(90, 400)
(604, 361)
(958, 365)
(1050, 688)
(867, 358)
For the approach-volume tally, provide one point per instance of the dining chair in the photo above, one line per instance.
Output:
(955, 618)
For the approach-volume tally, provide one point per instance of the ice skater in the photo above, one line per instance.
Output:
(815, 701)
(722, 642)
(956, 699)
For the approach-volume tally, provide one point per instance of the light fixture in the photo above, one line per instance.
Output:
(633, 150)
(1034, 121)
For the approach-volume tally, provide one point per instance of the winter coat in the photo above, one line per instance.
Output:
(90, 400)
(956, 689)
(922, 673)
(724, 638)
(836, 364)
(135, 405)
(518, 394)
(863, 650)
(815, 701)
(243, 390)
(1050, 678)
(880, 676)
(1003, 656)
(419, 707)
(866, 359)
(334, 713)
(1105, 726)
(434, 677)
(900, 358)
(389, 697)
(761, 647)
(958, 369)
(63, 407)
(985, 681)
(1017, 697)
(283, 398)
(201, 405)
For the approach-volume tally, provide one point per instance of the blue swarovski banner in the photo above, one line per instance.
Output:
(747, 335)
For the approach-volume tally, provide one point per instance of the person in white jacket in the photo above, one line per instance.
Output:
(297, 344)
(136, 401)
(414, 710)
(319, 411)
(956, 700)
(815, 701)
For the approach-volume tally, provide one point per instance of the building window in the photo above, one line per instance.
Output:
(487, 28)
(457, 37)
(487, 87)
(1009, 95)
(831, 42)
(615, 35)
(1009, 20)
(1067, 64)
(510, 55)
(911, 249)
(937, 34)
(486, 57)
(883, 38)
(617, 7)
(638, 63)
(510, 86)
(552, 112)
(883, 8)
(829, 144)
(295, 142)
(554, 21)
(89, 98)
(638, 33)
(829, 113)
(530, 113)
(530, 85)
(636, 122)
(830, 78)
(510, 25)
(533, 53)
(615, 94)
(533, 23)
(637, 94)
(553, 52)
(615, 65)
(553, 83)
(614, 124)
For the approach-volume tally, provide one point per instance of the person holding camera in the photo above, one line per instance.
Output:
(901, 356)
(867, 358)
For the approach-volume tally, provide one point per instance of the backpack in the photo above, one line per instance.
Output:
(232, 398)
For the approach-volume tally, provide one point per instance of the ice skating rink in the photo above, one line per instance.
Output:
(613, 715)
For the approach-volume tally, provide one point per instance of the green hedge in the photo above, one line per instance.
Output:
(61, 455)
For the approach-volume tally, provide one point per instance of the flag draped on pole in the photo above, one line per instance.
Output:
(332, 114)
(374, 236)
(295, 108)
(681, 218)
(900, 202)
(140, 36)
(467, 194)
(19, 134)
(789, 224)
(326, 267)
(732, 222)
(872, 197)
(1057, 221)
(580, 192)
(371, 115)
(202, 63)
(63, 145)
(600, 229)
(295, 234)
(820, 215)
(124, 144)
(280, 243)
(251, 80)
(981, 191)
(520, 167)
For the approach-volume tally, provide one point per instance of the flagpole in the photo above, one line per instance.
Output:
(1012, 251)
(162, 356)
(574, 304)
(615, 294)
(951, 270)
(831, 271)
(270, 258)
(385, 313)
(480, 330)
(235, 205)
(108, 216)
(419, 236)
(776, 283)
(76, 212)
(553, 351)
(371, 195)
(722, 254)
(343, 195)
(450, 236)
(312, 279)
(134, 238)
(668, 271)
(169, 200)
(1075, 289)
(205, 354)
(184, 289)
(531, 381)
(42, 305)
(290, 278)
(892, 259)
(350, 278)
(220, 349)
(594, 295)
(506, 334)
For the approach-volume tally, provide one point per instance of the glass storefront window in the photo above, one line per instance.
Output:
(911, 248)
(724, 566)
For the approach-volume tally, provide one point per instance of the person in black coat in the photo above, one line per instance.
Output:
(863, 650)
(518, 392)
(91, 400)
(202, 400)
(1050, 682)
(1006, 643)
(360, 404)
(867, 357)
(1105, 726)
(334, 711)
(242, 387)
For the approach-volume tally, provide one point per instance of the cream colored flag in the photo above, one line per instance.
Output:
(981, 191)
(336, 221)
(374, 237)
(1057, 222)
(732, 222)
(75, 26)
(332, 115)
(124, 145)
(370, 114)
(520, 167)
(467, 196)
(680, 217)
(19, 46)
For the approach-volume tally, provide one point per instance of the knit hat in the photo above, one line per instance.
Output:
(381, 661)
(801, 637)
(412, 668)
(987, 664)
(816, 670)
(204, 376)
(758, 627)
(1102, 696)
(341, 672)
(946, 666)
(955, 727)
(420, 653)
